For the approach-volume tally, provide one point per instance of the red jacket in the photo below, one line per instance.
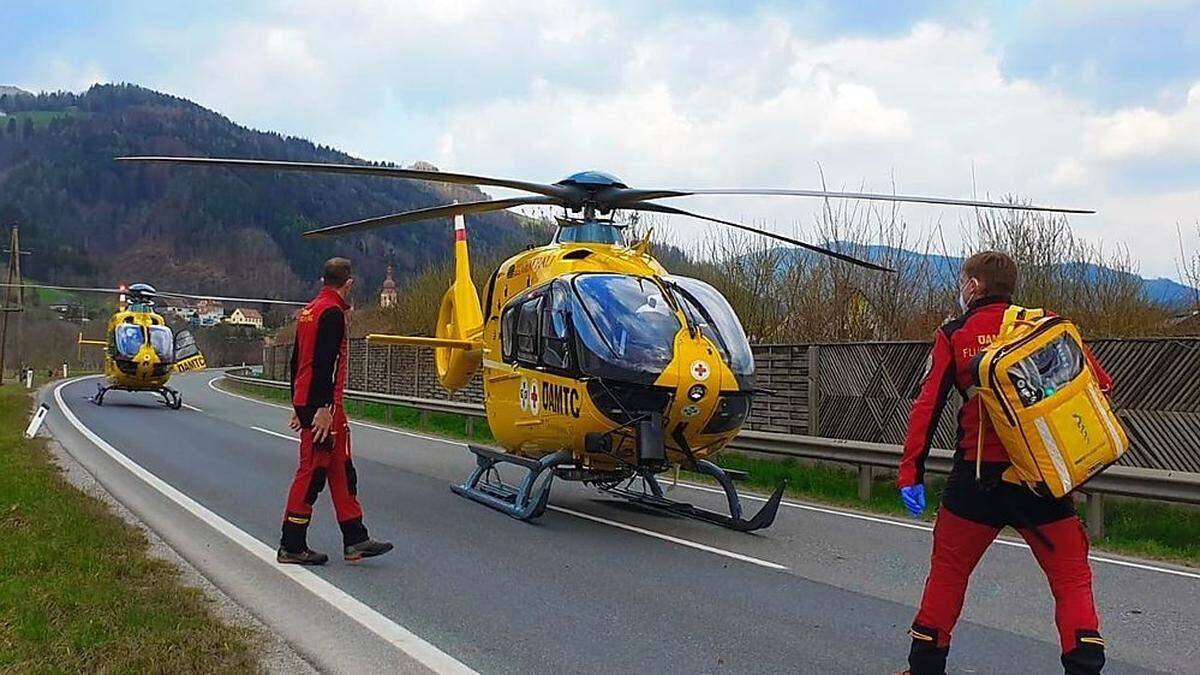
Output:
(954, 345)
(319, 354)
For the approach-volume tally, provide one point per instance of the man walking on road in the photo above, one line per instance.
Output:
(974, 511)
(318, 375)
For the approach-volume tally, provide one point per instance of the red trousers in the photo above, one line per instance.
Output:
(1061, 550)
(318, 467)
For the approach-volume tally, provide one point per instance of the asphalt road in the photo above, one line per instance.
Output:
(596, 585)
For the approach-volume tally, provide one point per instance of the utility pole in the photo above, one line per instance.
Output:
(13, 287)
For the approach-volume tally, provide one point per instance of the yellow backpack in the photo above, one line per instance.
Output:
(1045, 404)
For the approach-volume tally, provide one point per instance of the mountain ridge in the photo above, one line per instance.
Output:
(93, 220)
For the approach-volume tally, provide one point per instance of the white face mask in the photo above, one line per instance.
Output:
(963, 301)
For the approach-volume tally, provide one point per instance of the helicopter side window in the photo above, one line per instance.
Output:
(508, 334)
(163, 343)
(129, 338)
(527, 331)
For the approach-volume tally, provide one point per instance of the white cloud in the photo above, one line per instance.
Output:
(542, 89)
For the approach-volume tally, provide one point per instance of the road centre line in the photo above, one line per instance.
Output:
(192, 407)
(624, 526)
(929, 528)
(797, 505)
(276, 433)
(377, 623)
(666, 537)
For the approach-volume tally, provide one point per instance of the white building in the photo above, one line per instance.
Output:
(245, 317)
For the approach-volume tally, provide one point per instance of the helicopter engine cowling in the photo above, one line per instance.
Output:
(460, 317)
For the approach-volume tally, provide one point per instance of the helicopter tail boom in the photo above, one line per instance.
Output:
(420, 341)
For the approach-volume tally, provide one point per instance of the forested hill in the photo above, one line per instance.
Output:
(90, 219)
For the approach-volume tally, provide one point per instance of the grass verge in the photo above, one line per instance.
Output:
(78, 592)
(444, 424)
(1135, 527)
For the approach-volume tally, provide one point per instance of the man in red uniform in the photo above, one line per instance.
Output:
(318, 370)
(974, 511)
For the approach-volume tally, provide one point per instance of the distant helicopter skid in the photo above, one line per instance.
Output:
(528, 499)
(172, 398)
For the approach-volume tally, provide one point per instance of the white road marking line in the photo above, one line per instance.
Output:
(192, 407)
(666, 537)
(436, 439)
(929, 528)
(392, 632)
(276, 433)
(796, 505)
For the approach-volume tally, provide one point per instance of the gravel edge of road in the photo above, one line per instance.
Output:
(275, 655)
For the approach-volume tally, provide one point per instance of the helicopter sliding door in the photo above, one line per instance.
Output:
(185, 346)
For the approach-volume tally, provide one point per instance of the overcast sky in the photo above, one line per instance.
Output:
(1086, 104)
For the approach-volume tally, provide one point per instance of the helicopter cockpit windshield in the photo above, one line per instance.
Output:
(590, 232)
(163, 342)
(129, 338)
(627, 324)
(707, 309)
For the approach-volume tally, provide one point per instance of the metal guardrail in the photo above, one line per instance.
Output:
(1171, 486)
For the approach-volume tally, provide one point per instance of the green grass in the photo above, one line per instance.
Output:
(1135, 527)
(78, 592)
(40, 118)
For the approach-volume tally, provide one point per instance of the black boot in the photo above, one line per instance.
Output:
(305, 557)
(925, 657)
(367, 549)
(1087, 658)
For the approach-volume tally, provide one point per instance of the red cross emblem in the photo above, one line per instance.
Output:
(700, 370)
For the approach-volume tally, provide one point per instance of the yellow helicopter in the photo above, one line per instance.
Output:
(141, 352)
(598, 365)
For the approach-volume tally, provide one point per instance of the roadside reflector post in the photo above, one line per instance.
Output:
(470, 426)
(36, 422)
(1095, 516)
(64, 370)
(424, 418)
(866, 474)
(29, 378)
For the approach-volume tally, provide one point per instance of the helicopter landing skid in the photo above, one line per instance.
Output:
(523, 502)
(171, 398)
(654, 498)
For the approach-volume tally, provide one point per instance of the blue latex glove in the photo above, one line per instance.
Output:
(913, 497)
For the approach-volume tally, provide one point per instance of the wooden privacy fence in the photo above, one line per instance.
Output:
(863, 391)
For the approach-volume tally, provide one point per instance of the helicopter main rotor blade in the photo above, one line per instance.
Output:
(549, 190)
(662, 208)
(430, 213)
(624, 197)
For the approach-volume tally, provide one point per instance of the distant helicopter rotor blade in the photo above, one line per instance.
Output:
(433, 212)
(79, 289)
(549, 190)
(223, 298)
(662, 208)
(164, 294)
(624, 198)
